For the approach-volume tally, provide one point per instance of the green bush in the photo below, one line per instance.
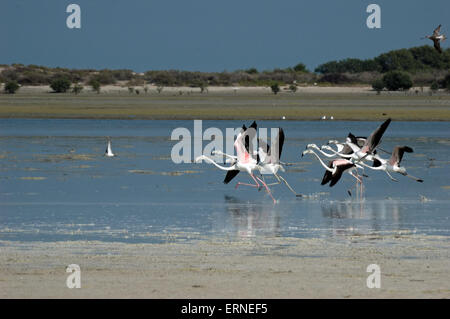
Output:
(447, 82)
(293, 88)
(434, 86)
(60, 85)
(396, 80)
(275, 88)
(11, 87)
(95, 85)
(335, 78)
(300, 67)
(252, 71)
(378, 85)
(77, 88)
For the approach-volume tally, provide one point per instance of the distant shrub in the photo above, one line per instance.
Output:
(434, 86)
(293, 88)
(300, 67)
(131, 90)
(252, 71)
(10, 75)
(447, 82)
(95, 85)
(104, 77)
(160, 88)
(378, 85)
(60, 85)
(275, 87)
(396, 80)
(335, 78)
(11, 87)
(77, 88)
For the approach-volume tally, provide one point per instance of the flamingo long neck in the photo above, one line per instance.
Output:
(220, 153)
(325, 153)
(211, 161)
(382, 167)
(339, 154)
(321, 162)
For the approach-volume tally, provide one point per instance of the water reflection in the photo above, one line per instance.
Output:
(349, 218)
(246, 219)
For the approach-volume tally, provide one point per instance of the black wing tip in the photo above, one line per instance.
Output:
(408, 149)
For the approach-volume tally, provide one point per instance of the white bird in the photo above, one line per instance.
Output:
(324, 117)
(367, 150)
(244, 162)
(108, 152)
(393, 165)
(270, 160)
(335, 168)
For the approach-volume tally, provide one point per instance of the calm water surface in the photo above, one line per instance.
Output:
(55, 184)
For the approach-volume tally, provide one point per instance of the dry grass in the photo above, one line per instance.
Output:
(299, 106)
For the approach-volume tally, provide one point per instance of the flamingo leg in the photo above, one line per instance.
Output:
(390, 176)
(288, 186)
(267, 188)
(358, 180)
(246, 184)
(278, 182)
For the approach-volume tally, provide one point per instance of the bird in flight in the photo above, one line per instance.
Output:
(437, 38)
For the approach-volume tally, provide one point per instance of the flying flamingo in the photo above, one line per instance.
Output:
(269, 160)
(249, 135)
(393, 165)
(335, 169)
(436, 37)
(108, 152)
(367, 151)
(244, 162)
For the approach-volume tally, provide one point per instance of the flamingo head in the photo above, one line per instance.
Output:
(199, 159)
(312, 146)
(307, 152)
(400, 170)
(333, 142)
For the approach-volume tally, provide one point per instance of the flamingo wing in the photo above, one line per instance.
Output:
(397, 154)
(328, 175)
(230, 175)
(278, 146)
(338, 173)
(263, 151)
(375, 138)
(239, 144)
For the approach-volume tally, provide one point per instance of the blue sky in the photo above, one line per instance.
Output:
(210, 35)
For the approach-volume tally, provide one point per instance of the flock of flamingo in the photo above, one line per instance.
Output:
(347, 156)
(356, 152)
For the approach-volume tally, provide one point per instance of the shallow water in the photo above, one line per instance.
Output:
(55, 184)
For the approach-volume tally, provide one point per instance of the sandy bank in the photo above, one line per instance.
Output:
(412, 266)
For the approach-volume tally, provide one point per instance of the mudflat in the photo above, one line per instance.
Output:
(412, 266)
